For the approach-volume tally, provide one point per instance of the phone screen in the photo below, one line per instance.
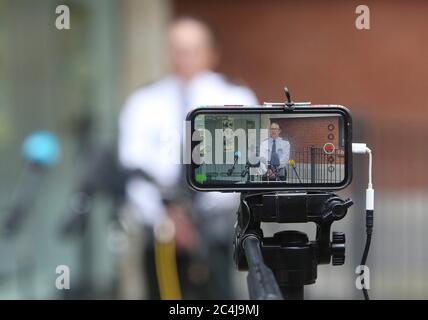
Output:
(252, 150)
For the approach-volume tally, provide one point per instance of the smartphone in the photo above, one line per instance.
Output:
(245, 148)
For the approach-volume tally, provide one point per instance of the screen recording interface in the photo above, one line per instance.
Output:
(269, 148)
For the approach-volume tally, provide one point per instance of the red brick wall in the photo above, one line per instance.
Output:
(302, 133)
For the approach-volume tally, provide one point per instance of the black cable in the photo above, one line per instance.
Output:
(369, 231)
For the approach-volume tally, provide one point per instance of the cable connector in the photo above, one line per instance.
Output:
(360, 148)
(370, 199)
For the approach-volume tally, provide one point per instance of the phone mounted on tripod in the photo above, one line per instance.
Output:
(233, 149)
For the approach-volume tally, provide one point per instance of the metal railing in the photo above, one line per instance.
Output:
(313, 165)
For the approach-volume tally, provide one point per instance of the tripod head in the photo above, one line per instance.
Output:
(290, 255)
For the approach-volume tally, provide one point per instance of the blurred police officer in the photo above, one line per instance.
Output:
(151, 120)
(274, 154)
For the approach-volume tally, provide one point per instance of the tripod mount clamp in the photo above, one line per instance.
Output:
(288, 105)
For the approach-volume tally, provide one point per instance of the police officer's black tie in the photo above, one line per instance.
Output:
(274, 158)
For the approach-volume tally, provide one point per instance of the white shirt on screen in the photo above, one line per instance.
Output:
(282, 149)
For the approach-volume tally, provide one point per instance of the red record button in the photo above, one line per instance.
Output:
(329, 148)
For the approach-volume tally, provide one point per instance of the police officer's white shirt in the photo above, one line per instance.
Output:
(282, 149)
(150, 119)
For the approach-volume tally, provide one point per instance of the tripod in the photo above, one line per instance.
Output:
(280, 266)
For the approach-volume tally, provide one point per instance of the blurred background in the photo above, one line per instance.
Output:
(74, 83)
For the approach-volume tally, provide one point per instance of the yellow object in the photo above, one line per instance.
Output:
(166, 262)
(292, 163)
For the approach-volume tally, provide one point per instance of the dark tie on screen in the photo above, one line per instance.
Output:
(274, 158)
